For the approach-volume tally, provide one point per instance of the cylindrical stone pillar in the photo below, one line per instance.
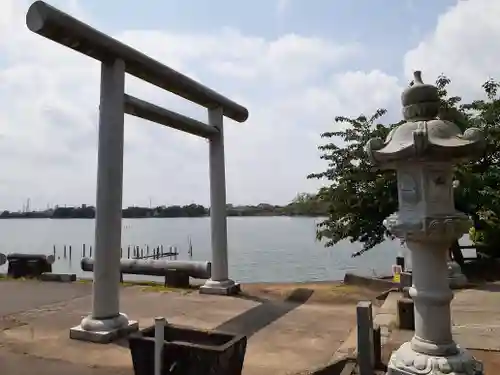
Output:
(432, 297)
(108, 226)
(219, 283)
(106, 322)
(218, 220)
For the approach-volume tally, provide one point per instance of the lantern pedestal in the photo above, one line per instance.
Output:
(406, 361)
(432, 349)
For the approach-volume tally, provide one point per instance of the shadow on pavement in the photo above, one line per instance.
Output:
(255, 319)
(258, 317)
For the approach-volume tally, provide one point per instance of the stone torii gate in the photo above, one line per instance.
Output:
(106, 322)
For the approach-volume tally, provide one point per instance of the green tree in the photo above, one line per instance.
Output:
(361, 196)
(306, 204)
(479, 190)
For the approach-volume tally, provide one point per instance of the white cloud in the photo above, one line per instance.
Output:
(293, 86)
(235, 56)
(282, 5)
(465, 46)
(49, 116)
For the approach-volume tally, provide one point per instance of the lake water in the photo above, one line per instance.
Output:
(261, 249)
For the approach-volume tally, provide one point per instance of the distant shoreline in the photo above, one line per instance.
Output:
(308, 207)
(148, 217)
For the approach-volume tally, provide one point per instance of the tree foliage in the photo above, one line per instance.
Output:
(306, 204)
(479, 190)
(361, 196)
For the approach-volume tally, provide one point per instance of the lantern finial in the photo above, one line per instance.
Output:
(417, 77)
(420, 101)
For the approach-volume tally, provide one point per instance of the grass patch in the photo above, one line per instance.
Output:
(5, 277)
(323, 292)
(149, 286)
(160, 288)
(345, 288)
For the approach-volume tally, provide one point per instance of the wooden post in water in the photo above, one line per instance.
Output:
(54, 249)
(64, 252)
(90, 251)
(190, 249)
(70, 256)
(83, 250)
(128, 252)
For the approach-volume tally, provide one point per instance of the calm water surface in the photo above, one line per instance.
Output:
(261, 249)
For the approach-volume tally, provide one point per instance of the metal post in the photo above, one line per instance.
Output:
(219, 282)
(366, 355)
(106, 318)
(159, 341)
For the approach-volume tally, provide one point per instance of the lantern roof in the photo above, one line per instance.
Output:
(424, 136)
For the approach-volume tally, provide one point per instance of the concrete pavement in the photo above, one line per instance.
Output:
(284, 336)
(475, 319)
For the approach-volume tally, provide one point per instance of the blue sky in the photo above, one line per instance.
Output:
(295, 64)
(384, 28)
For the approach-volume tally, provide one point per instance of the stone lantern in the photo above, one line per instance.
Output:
(423, 152)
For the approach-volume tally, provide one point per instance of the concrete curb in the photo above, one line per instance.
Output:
(385, 318)
(369, 282)
(348, 347)
(336, 366)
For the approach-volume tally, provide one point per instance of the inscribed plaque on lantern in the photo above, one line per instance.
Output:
(439, 189)
(409, 193)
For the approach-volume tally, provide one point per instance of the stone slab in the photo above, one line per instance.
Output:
(58, 277)
(221, 291)
(478, 336)
(103, 337)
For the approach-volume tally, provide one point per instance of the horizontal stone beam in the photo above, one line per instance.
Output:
(64, 29)
(157, 267)
(147, 111)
